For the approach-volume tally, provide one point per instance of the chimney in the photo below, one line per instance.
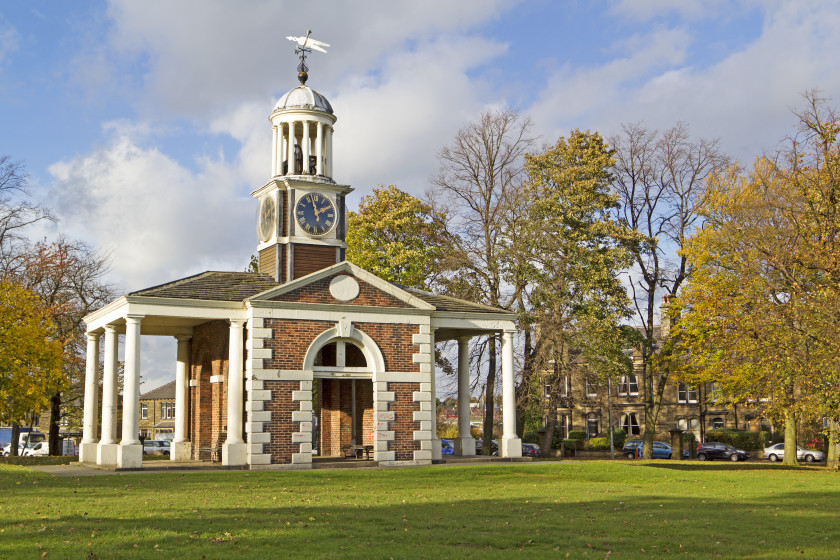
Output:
(665, 316)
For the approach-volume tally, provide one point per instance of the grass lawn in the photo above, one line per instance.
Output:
(570, 509)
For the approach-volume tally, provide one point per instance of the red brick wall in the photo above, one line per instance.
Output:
(208, 357)
(281, 426)
(395, 343)
(404, 425)
(319, 292)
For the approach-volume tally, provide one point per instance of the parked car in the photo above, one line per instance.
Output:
(660, 450)
(530, 450)
(494, 447)
(7, 449)
(709, 451)
(156, 447)
(777, 452)
(36, 449)
(447, 447)
(629, 449)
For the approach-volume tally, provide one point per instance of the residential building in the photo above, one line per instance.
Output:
(157, 412)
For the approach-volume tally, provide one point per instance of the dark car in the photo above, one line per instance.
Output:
(629, 449)
(709, 451)
(494, 447)
(447, 447)
(530, 450)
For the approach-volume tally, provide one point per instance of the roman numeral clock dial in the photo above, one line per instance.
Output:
(315, 214)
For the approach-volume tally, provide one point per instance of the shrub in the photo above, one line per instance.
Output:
(577, 435)
(597, 443)
(619, 437)
(739, 439)
(531, 437)
(573, 443)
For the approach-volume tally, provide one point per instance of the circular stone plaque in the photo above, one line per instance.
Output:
(344, 288)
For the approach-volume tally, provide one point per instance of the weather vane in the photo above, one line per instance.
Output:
(305, 46)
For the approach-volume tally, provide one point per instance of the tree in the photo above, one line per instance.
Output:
(577, 249)
(660, 179)
(30, 357)
(479, 185)
(759, 316)
(68, 278)
(397, 237)
(16, 212)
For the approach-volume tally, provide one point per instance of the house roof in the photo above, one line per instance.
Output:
(449, 303)
(213, 286)
(163, 392)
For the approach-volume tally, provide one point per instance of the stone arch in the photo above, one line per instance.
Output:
(371, 350)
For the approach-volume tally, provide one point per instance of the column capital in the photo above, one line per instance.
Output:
(92, 336)
(110, 329)
(237, 323)
(183, 337)
(133, 318)
(465, 338)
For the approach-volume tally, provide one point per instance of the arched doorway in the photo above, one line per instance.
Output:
(343, 400)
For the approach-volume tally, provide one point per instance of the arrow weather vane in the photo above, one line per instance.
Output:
(305, 46)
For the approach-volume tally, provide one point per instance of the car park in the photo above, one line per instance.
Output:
(629, 449)
(447, 447)
(777, 452)
(715, 450)
(530, 450)
(661, 450)
(155, 447)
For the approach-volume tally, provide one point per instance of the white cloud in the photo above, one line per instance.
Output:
(160, 220)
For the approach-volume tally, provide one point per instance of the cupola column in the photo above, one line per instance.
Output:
(329, 143)
(291, 169)
(275, 150)
(306, 148)
(319, 149)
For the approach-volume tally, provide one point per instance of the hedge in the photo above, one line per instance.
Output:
(739, 439)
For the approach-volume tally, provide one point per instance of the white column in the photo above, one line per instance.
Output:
(306, 147)
(234, 448)
(130, 453)
(274, 151)
(329, 141)
(106, 453)
(291, 147)
(319, 149)
(87, 451)
(465, 443)
(437, 453)
(511, 445)
(181, 448)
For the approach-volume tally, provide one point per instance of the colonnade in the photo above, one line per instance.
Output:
(106, 450)
(313, 138)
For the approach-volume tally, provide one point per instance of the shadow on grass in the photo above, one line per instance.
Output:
(725, 466)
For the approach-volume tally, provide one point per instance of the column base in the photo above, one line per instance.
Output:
(106, 454)
(234, 454)
(88, 452)
(510, 447)
(437, 450)
(180, 451)
(464, 446)
(130, 456)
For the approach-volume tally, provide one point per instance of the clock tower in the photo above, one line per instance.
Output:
(301, 222)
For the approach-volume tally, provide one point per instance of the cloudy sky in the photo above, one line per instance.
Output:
(143, 124)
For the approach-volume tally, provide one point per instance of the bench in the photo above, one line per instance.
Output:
(356, 451)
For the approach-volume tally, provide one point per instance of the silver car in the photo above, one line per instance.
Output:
(777, 452)
(156, 447)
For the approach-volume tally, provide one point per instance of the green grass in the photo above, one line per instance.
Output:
(574, 509)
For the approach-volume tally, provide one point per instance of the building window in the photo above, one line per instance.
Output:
(340, 354)
(628, 386)
(686, 393)
(717, 423)
(167, 410)
(591, 390)
(564, 388)
(144, 411)
(630, 424)
(592, 425)
(690, 425)
(564, 425)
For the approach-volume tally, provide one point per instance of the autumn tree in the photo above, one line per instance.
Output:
(576, 252)
(660, 180)
(760, 314)
(479, 188)
(397, 237)
(30, 356)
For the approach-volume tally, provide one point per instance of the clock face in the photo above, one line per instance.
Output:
(267, 218)
(315, 214)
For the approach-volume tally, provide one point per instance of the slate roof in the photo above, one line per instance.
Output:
(214, 286)
(449, 303)
(163, 392)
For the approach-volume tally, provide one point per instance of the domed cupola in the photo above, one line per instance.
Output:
(302, 123)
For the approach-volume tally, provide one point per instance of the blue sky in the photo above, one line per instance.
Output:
(144, 124)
